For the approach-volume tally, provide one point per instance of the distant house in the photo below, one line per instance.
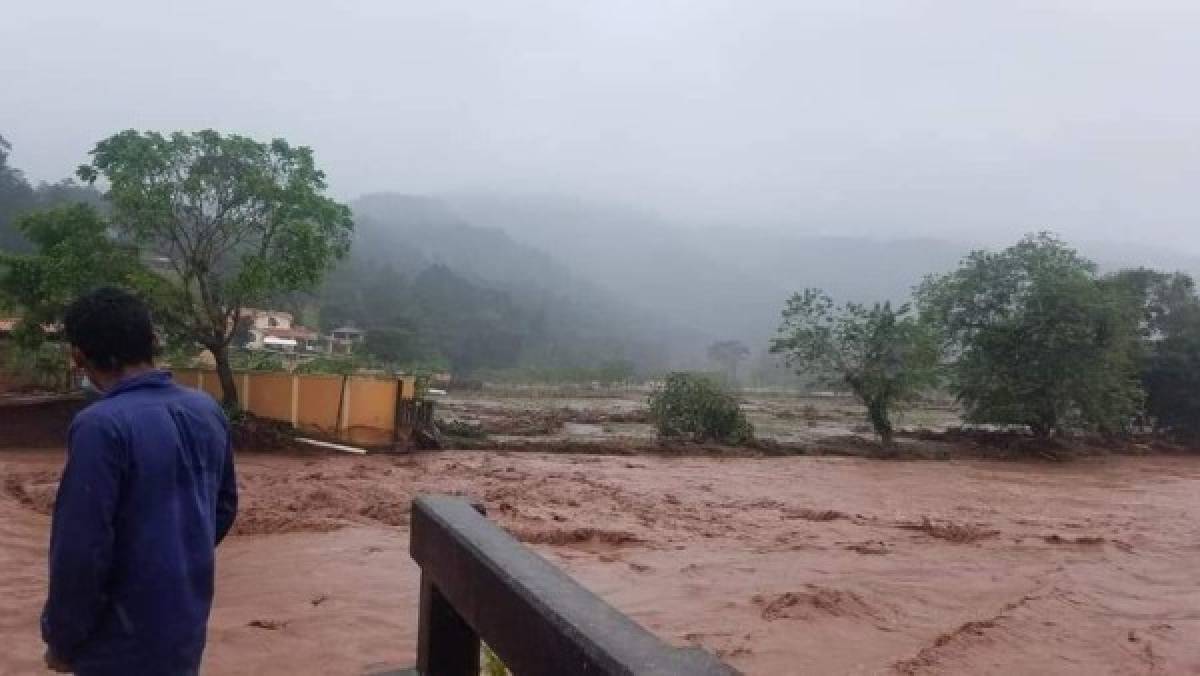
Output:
(344, 340)
(275, 330)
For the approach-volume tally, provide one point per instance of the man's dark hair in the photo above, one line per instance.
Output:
(112, 328)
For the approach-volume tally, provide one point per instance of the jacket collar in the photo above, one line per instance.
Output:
(155, 378)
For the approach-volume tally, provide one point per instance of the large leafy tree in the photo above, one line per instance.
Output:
(729, 353)
(1040, 340)
(231, 221)
(882, 354)
(73, 253)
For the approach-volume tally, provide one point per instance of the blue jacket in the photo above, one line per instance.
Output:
(147, 493)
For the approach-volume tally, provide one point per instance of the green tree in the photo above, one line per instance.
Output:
(883, 355)
(16, 196)
(1170, 346)
(1040, 340)
(696, 407)
(232, 221)
(728, 353)
(73, 253)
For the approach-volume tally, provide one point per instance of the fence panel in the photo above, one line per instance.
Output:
(269, 395)
(319, 403)
(369, 413)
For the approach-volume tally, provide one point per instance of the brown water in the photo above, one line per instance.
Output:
(780, 565)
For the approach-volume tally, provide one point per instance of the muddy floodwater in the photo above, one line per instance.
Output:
(784, 565)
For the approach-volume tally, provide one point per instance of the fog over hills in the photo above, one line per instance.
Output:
(651, 281)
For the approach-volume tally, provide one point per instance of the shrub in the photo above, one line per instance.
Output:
(44, 366)
(693, 406)
(342, 366)
(255, 360)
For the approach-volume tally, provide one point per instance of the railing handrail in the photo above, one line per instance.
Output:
(477, 581)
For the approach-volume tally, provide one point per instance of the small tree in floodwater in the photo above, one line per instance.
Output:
(696, 407)
(883, 355)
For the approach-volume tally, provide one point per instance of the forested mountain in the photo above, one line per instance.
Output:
(720, 282)
(18, 196)
(429, 284)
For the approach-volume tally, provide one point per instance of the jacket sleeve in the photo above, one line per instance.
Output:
(227, 494)
(82, 535)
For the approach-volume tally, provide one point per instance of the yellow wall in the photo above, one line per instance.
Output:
(269, 394)
(317, 406)
(210, 383)
(187, 378)
(370, 410)
(366, 405)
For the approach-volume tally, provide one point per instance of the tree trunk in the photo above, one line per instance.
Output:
(1042, 430)
(229, 394)
(877, 413)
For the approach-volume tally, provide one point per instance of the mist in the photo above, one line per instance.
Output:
(976, 121)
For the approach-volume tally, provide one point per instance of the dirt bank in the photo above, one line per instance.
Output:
(781, 565)
(37, 421)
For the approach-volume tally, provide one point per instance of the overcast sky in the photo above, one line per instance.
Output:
(967, 119)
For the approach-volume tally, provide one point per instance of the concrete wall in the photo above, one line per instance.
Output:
(358, 409)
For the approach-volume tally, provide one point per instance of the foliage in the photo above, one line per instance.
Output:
(461, 429)
(696, 407)
(255, 360)
(882, 354)
(1170, 347)
(73, 254)
(435, 316)
(45, 365)
(18, 197)
(728, 353)
(232, 221)
(331, 365)
(492, 666)
(1040, 340)
(398, 344)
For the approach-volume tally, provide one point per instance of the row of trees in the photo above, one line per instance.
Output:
(1030, 336)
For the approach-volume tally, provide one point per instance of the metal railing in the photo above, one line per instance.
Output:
(477, 582)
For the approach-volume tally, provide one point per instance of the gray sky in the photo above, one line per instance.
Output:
(965, 119)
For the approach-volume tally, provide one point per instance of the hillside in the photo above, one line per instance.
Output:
(437, 284)
(731, 281)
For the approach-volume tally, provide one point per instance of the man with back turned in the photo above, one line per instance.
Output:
(147, 494)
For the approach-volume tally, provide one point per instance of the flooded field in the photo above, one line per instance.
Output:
(532, 415)
(781, 565)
